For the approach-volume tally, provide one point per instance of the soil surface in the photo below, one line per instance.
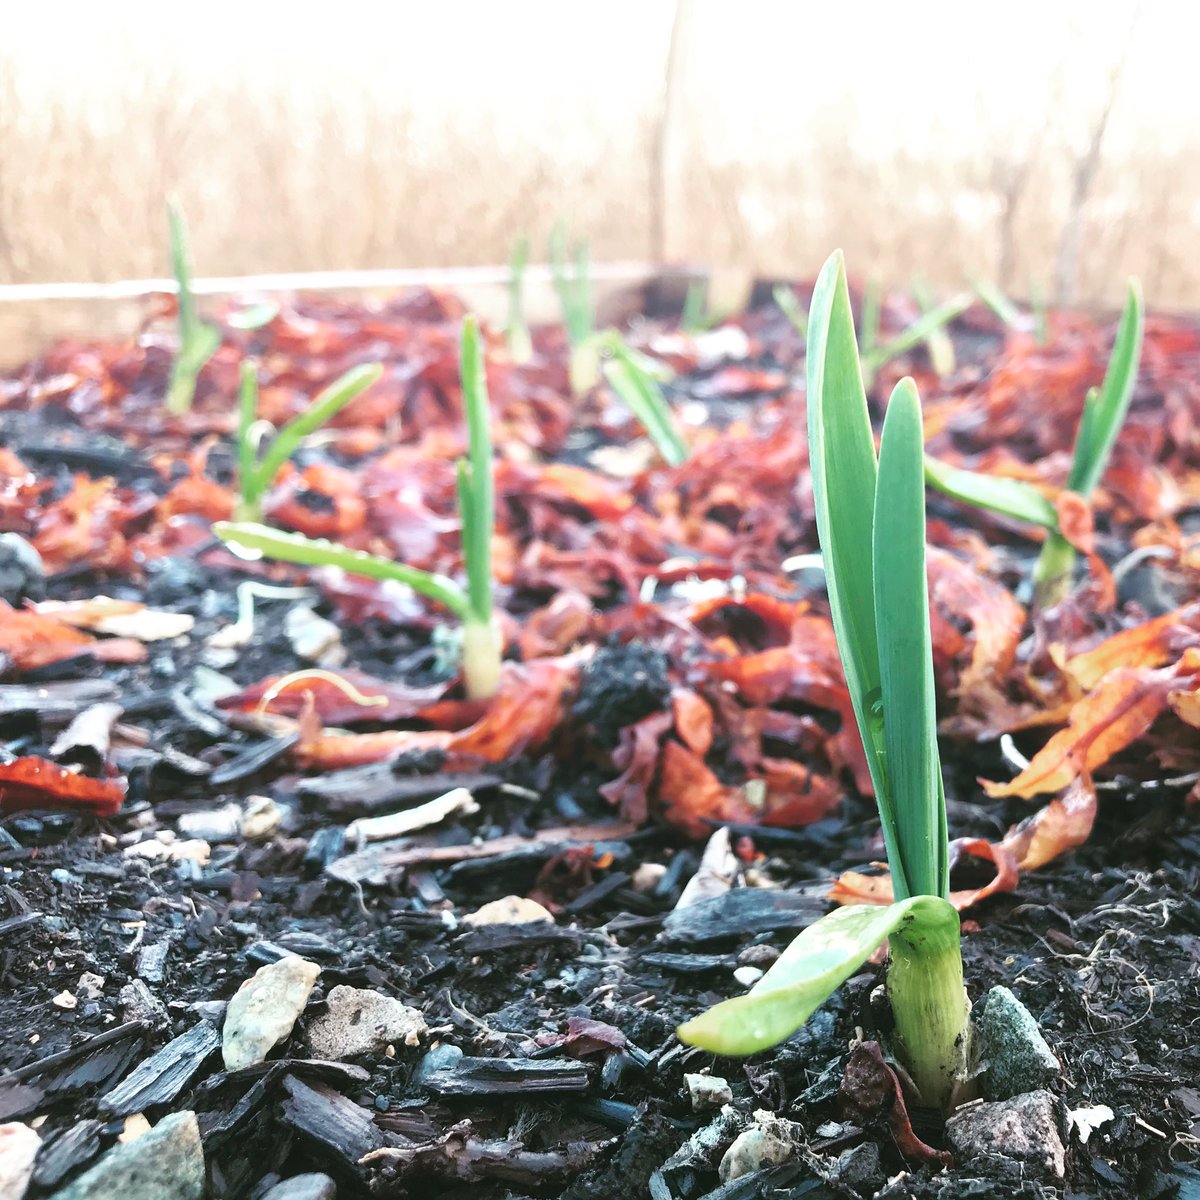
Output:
(667, 679)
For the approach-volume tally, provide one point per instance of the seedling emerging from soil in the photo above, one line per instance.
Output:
(1104, 412)
(871, 524)
(481, 641)
(520, 344)
(575, 294)
(198, 340)
(640, 391)
(257, 467)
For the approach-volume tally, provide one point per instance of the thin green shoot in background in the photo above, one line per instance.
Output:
(871, 526)
(574, 290)
(640, 391)
(928, 325)
(257, 467)
(791, 308)
(520, 344)
(481, 640)
(938, 342)
(1104, 412)
(198, 340)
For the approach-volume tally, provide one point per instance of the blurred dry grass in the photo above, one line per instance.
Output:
(1052, 145)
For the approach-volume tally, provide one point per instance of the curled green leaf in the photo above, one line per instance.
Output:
(1011, 497)
(811, 969)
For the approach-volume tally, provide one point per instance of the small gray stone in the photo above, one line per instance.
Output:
(165, 1164)
(708, 1091)
(766, 1143)
(22, 575)
(1025, 1130)
(212, 824)
(441, 1058)
(264, 1010)
(362, 1021)
(859, 1169)
(314, 1186)
(18, 1148)
(1013, 1056)
(139, 1003)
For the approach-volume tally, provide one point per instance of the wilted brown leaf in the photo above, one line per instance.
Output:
(1125, 705)
(1066, 822)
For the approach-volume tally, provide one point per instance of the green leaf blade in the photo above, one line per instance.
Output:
(841, 452)
(1011, 497)
(318, 552)
(908, 714)
(643, 396)
(810, 970)
(1100, 427)
(478, 515)
(325, 406)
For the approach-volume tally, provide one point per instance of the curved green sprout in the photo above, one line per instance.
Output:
(256, 472)
(810, 970)
(871, 526)
(1104, 412)
(482, 645)
(643, 396)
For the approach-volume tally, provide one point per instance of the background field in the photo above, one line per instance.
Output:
(1051, 144)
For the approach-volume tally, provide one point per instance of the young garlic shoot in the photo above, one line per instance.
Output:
(628, 375)
(938, 342)
(693, 318)
(1010, 315)
(257, 467)
(198, 340)
(520, 344)
(575, 295)
(927, 325)
(785, 298)
(1104, 412)
(871, 526)
(481, 641)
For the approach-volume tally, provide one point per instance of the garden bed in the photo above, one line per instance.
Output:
(671, 671)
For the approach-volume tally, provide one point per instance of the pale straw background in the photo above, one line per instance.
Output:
(1046, 144)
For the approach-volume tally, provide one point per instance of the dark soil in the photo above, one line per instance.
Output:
(1103, 946)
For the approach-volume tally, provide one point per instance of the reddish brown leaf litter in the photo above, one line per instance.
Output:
(665, 675)
(30, 783)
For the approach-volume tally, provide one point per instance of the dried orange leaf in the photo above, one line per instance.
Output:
(34, 782)
(693, 796)
(693, 720)
(1150, 644)
(1102, 724)
(853, 887)
(958, 593)
(1066, 822)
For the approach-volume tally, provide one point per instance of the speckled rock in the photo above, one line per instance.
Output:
(264, 1010)
(1025, 1131)
(708, 1091)
(165, 1164)
(1013, 1056)
(362, 1021)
